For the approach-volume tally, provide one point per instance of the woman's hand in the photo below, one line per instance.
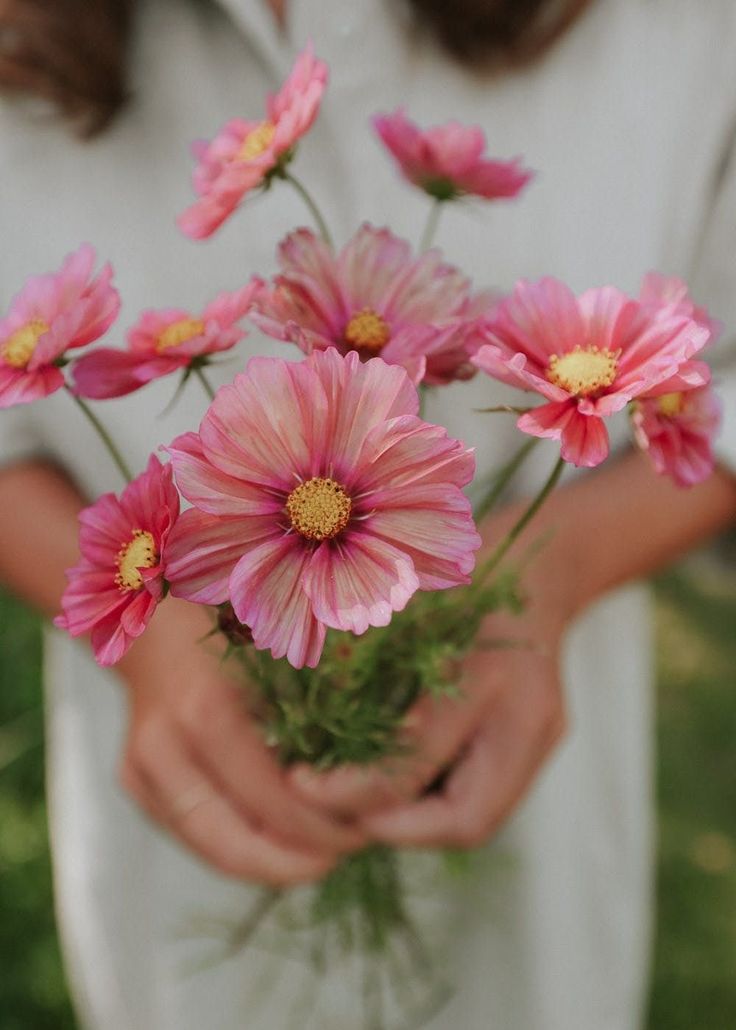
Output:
(469, 758)
(199, 766)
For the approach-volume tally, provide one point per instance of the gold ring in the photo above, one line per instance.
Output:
(190, 799)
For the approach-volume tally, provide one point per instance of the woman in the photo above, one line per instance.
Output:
(556, 935)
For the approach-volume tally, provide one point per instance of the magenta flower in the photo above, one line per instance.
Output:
(245, 154)
(51, 314)
(162, 342)
(447, 161)
(376, 299)
(671, 295)
(114, 590)
(587, 356)
(677, 431)
(320, 499)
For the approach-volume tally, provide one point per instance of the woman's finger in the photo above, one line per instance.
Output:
(225, 742)
(485, 786)
(176, 792)
(436, 730)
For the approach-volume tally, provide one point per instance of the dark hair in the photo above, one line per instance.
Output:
(73, 52)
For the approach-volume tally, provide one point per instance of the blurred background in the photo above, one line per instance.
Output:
(694, 972)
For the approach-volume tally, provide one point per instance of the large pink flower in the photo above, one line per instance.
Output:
(245, 154)
(677, 430)
(162, 342)
(51, 314)
(447, 161)
(588, 356)
(114, 590)
(320, 500)
(376, 299)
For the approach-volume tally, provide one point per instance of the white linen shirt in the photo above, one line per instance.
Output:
(629, 121)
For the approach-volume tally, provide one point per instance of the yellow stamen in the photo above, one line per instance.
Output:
(366, 330)
(257, 140)
(138, 553)
(319, 509)
(584, 370)
(179, 332)
(18, 348)
(671, 404)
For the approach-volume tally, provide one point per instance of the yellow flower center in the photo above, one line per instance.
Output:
(671, 404)
(319, 509)
(257, 140)
(366, 330)
(584, 370)
(19, 347)
(139, 553)
(179, 332)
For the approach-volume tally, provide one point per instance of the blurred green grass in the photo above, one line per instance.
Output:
(694, 974)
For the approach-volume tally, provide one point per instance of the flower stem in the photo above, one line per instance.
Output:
(206, 384)
(313, 209)
(493, 561)
(430, 229)
(503, 477)
(103, 435)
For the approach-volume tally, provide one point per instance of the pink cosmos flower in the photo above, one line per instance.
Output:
(587, 356)
(245, 154)
(374, 298)
(51, 314)
(677, 431)
(320, 499)
(162, 342)
(114, 590)
(446, 161)
(671, 294)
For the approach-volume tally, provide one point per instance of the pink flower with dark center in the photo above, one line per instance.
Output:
(162, 342)
(114, 590)
(677, 431)
(320, 499)
(246, 154)
(588, 356)
(447, 161)
(376, 299)
(51, 314)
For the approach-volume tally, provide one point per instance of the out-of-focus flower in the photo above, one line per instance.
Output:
(320, 499)
(50, 315)
(670, 294)
(588, 356)
(162, 342)
(677, 431)
(447, 161)
(114, 590)
(246, 154)
(376, 299)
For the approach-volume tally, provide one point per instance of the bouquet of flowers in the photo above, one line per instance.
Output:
(327, 526)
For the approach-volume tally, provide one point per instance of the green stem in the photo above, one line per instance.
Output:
(313, 209)
(493, 561)
(430, 229)
(503, 477)
(244, 931)
(103, 435)
(206, 384)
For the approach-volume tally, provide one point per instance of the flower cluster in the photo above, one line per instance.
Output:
(319, 498)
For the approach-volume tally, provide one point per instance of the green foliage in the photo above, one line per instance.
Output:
(32, 990)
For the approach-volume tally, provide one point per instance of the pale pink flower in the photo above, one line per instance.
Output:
(374, 298)
(320, 499)
(114, 590)
(162, 342)
(677, 430)
(447, 161)
(588, 356)
(246, 154)
(670, 294)
(51, 314)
